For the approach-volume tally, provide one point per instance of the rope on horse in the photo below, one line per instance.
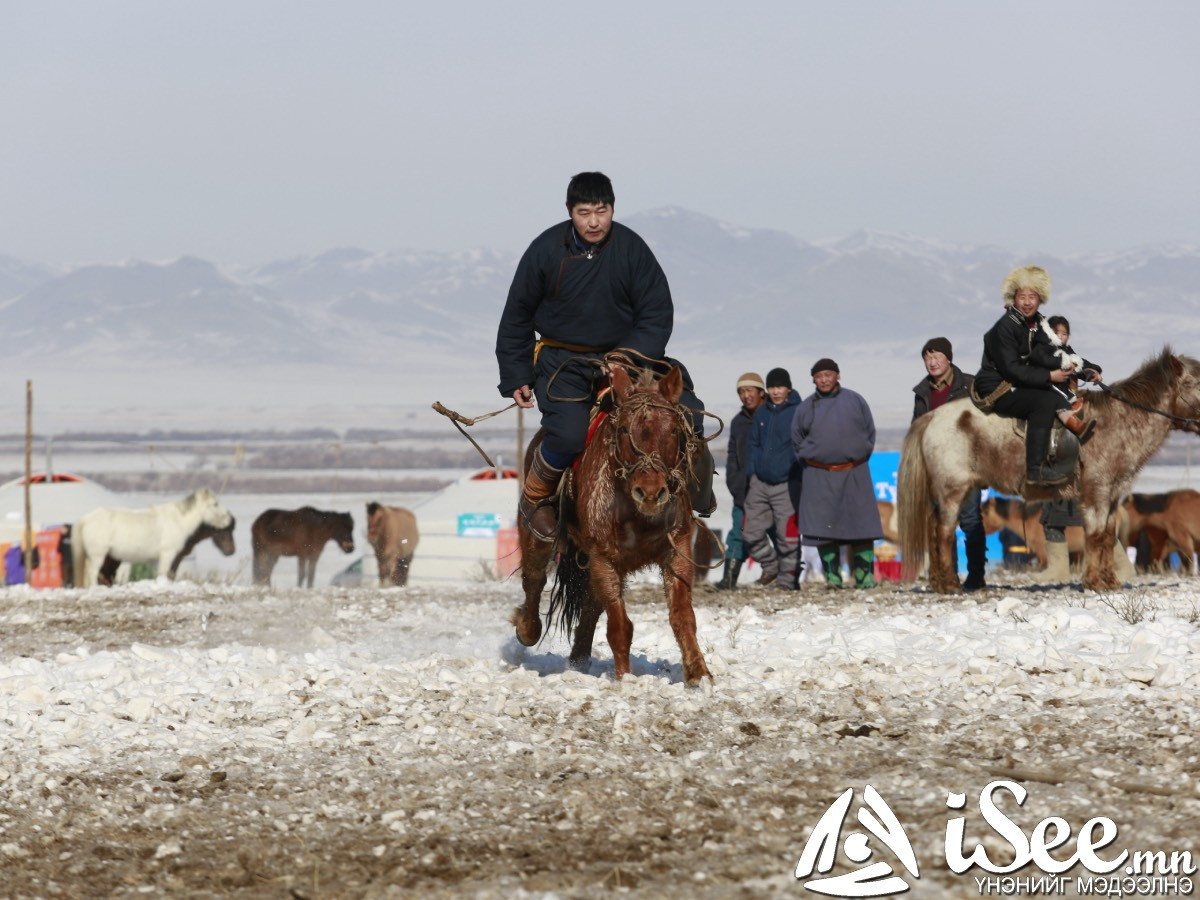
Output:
(1182, 422)
(459, 420)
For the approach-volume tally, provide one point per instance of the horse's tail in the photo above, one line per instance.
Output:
(913, 508)
(571, 591)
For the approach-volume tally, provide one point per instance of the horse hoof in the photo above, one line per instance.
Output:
(582, 664)
(529, 631)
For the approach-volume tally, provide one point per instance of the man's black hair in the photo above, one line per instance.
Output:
(589, 187)
(1055, 321)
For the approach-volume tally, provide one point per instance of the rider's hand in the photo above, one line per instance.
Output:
(1058, 376)
(524, 397)
(1090, 375)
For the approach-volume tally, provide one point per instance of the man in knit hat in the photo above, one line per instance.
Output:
(833, 437)
(942, 383)
(584, 288)
(752, 391)
(774, 484)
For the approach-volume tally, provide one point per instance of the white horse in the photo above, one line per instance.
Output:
(155, 534)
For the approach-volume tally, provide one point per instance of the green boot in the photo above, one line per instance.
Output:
(831, 562)
(862, 564)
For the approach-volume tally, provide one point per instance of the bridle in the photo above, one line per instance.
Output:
(628, 411)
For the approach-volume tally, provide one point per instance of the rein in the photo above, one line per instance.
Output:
(1181, 422)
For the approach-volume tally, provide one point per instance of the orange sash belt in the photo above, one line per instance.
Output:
(836, 467)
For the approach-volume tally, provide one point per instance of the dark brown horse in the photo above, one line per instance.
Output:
(626, 509)
(392, 531)
(222, 537)
(302, 533)
(956, 449)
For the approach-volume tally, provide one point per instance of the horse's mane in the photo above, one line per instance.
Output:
(1146, 385)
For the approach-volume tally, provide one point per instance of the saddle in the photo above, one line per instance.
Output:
(1062, 454)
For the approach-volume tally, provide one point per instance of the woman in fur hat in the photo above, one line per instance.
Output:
(1025, 371)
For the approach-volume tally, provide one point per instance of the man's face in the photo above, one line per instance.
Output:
(936, 363)
(825, 380)
(778, 393)
(752, 398)
(593, 221)
(1027, 301)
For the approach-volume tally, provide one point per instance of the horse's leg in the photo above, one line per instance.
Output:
(585, 632)
(264, 565)
(606, 594)
(942, 576)
(677, 582)
(402, 565)
(1099, 531)
(535, 558)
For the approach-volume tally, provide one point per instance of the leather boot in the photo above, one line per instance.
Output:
(729, 575)
(538, 501)
(831, 562)
(1058, 564)
(862, 564)
(1079, 427)
(700, 489)
(1037, 443)
(976, 560)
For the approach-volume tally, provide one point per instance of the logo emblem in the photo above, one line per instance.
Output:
(874, 880)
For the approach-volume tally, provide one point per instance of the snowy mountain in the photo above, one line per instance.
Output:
(350, 336)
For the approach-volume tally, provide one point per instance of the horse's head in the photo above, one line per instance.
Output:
(212, 513)
(1187, 399)
(223, 538)
(374, 521)
(652, 441)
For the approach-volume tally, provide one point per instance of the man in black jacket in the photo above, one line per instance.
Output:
(944, 382)
(752, 391)
(586, 286)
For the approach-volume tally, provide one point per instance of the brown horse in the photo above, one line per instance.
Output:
(1165, 520)
(222, 537)
(392, 531)
(1025, 520)
(301, 533)
(957, 448)
(627, 508)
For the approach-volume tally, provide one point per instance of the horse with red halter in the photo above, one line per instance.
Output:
(957, 449)
(302, 533)
(626, 508)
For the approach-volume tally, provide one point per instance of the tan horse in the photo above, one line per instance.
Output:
(392, 531)
(627, 509)
(957, 448)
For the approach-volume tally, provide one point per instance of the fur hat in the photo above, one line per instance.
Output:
(779, 378)
(825, 365)
(751, 379)
(1034, 277)
(940, 345)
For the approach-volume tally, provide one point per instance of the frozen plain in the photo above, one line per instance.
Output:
(217, 739)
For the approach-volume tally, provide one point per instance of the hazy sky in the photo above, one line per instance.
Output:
(246, 131)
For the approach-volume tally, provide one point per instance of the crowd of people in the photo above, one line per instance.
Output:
(588, 294)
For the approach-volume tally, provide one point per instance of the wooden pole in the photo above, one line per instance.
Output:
(28, 538)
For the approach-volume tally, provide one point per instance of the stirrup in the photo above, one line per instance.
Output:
(528, 514)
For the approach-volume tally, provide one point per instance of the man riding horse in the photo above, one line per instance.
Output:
(588, 287)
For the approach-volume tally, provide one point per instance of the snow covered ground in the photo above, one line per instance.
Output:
(217, 739)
